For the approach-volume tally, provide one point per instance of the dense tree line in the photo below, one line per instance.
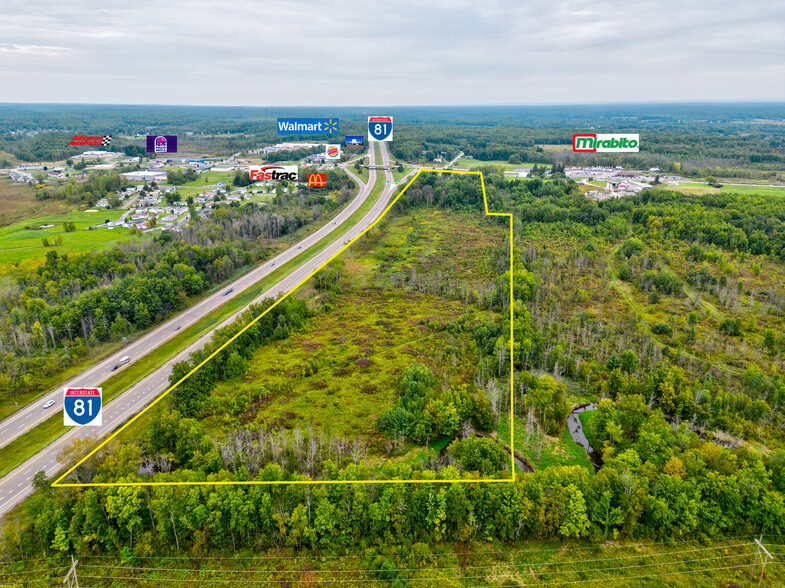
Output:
(730, 221)
(663, 483)
(72, 302)
(232, 362)
(75, 302)
(179, 177)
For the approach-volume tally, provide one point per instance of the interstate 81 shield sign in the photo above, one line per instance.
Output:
(380, 128)
(82, 406)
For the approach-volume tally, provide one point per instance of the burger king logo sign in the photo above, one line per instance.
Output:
(332, 152)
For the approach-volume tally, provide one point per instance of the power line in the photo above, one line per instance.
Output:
(16, 561)
(451, 554)
(34, 571)
(357, 580)
(627, 578)
(531, 564)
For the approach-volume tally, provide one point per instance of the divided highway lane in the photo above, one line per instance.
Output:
(16, 486)
(29, 416)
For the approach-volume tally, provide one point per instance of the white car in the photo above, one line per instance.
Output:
(49, 403)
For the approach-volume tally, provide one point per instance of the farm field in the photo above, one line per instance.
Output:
(211, 177)
(475, 163)
(18, 203)
(702, 188)
(21, 243)
(762, 190)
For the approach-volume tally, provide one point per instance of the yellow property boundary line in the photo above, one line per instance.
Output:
(59, 483)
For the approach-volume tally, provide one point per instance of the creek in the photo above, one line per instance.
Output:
(575, 426)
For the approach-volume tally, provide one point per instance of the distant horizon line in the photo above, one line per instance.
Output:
(471, 105)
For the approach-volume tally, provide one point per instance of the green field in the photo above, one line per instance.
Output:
(556, 451)
(362, 174)
(703, 188)
(585, 418)
(474, 163)
(762, 190)
(22, 241)
(398, 175)
(211, 177)
(193, 191)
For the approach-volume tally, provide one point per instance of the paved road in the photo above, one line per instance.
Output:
(16, 486)
(452, 163)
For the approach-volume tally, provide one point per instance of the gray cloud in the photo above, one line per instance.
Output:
(297, 52)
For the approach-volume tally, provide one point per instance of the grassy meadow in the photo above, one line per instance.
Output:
(475, 163)
(21, 242)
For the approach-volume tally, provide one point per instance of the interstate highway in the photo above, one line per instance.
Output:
(16, 486)
(28, 417)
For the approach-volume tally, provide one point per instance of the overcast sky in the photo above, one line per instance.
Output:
(379, 52)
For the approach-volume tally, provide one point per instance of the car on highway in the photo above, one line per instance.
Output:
(49, 403)
(229, 291)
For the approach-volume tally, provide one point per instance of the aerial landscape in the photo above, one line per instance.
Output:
(293, 311)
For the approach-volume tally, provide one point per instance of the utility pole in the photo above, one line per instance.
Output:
(73, 582)
(765, 557)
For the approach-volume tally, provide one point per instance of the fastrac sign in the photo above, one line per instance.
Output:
(593, 143)
(273, 172)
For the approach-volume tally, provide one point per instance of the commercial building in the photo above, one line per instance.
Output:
(146, 176)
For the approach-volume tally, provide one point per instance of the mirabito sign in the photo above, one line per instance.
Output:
(593, 143)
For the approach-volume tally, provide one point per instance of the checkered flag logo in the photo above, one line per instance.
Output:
(105, 140)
